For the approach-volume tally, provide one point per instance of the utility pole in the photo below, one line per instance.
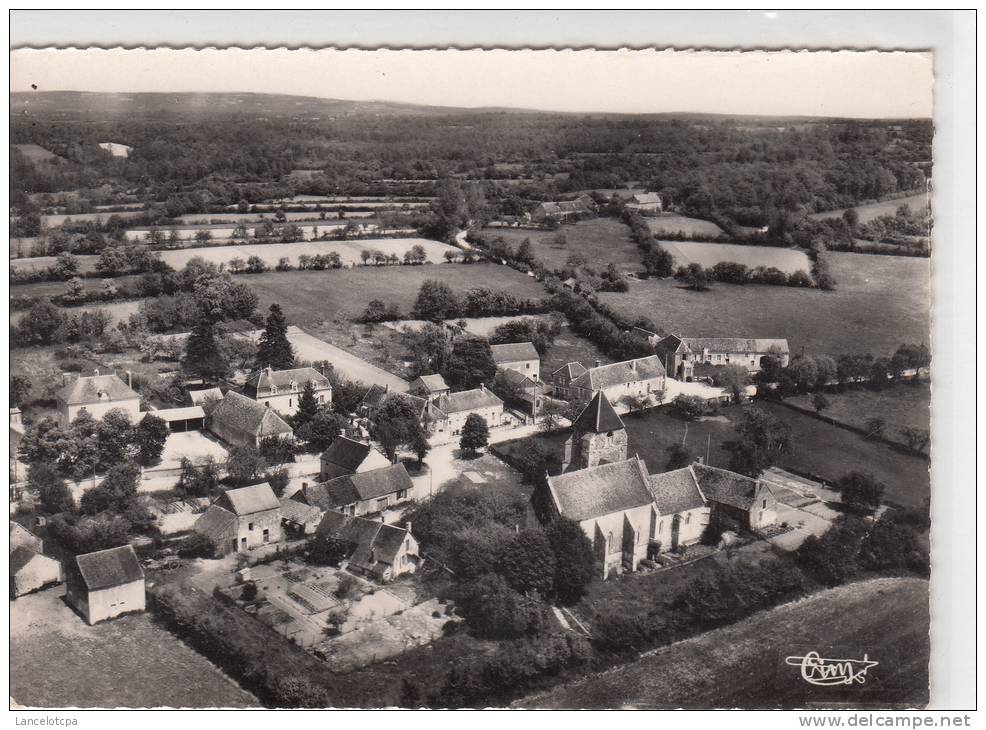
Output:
(684, 436)
(708, 449)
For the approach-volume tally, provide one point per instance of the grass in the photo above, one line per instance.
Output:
(58, 661)
(314, 296)
(879, 302)
(682, 224)
(601, 241)
(899, 406)
(708, 255)
(874, 210)
(743, 665)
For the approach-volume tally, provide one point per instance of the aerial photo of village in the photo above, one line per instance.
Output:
(323, 403)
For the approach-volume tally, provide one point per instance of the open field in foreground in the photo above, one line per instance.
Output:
(56, 660)
(708, 255)
(878, 303)
(743, 665)
(875, 210)
(316, 296)
(682, 224)
(602, 241)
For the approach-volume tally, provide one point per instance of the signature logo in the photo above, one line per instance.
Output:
(825, 672)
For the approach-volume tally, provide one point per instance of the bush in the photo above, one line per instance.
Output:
(249, 592)
(494, 610)
(197, 546)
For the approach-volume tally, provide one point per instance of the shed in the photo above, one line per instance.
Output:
(189, 418)
(105, 584)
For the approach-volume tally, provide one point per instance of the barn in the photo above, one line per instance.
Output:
(105, 584)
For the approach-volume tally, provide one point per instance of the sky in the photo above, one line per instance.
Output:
(782, 83)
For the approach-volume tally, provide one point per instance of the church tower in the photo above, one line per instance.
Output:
(598, 436)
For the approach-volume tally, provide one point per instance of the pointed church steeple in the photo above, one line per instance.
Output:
(598, 416)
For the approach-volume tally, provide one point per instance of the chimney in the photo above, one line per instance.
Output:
(386, 388)
(130, 379)
(482, 387)
(95, 372)
(68, 378)
(598, 363)
(342, 432)
(408, 528)
(304, 485)
(633, 365)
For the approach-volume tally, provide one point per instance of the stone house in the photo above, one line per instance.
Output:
(98, 395)
(281, 389)
(642, 377)
(682, 354)
(348, 456)
(377, 395)
(562, 378)
(105, 584)
(239, 420)
(521, 392)
(242, 519)
(645, 203)
(429, 387)
(521, 357)
(564, 211)
(30, 569)
(360, 493)
(736, 502)
(447, 414)
(377, 550)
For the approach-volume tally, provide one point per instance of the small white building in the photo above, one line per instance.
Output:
(105, 584)
(98, 395)
(281, 389)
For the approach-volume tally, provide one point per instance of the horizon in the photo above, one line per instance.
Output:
(816, 84)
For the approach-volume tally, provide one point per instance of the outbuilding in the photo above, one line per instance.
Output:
(105, 584)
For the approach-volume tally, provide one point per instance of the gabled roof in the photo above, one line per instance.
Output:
(185, 413)
(20, 536)
(374, 541)
(646, 198)
(572, 370)
(198, 397)
(351, 488)
(214, 522)
(298, 512)
(735, 344)
(670, 345)
(347, 453)
(245, 414)
(261, 382)
(598, 416)
(21, 555)
(514, 352)
(466, 401)
(429, 383)
(109, 568)
(628, 371)
(726, 487)
(676, 491)
(377, 394)
(96, 388)
(601, 490)
(248, 500)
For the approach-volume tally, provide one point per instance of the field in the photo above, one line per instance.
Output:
(35, 153)
(878, 303)
(900, 406)
(58, 219)
(708, 255)
(744, 665)
(317, 296)
(602, 241)
(875, 210)
(56, 660)
(682, 224)
(225, 232)
(310, 215)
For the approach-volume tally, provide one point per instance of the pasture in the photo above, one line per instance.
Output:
(309, 297)
(879, 302)
(692, 227)
(36, 153)
(59, 219)
(874, 210)
(900, 406)
(293, 216)
(708, 255)
(601, 241)
(742, 665)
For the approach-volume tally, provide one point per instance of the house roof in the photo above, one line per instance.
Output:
(109, 568)
(245, 414)
(601, 490)
(20, 556)
(20, 536)
(214, 522)
(96, 388)
(178, 414)
(374, 541)
(466, 401)
(198, 397)
(298, 512)
(430, 383)
(676, 491)
(734, 344)
(261, 382)
(514, 352)
(598, 416)
(346, 453)
(726, 487)
(646, 198)
(352, 488)
(572, 370)
(377, 394)
(628, 371)
(248, 500)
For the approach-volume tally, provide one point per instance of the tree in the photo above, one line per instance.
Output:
(733, 378)
(324, 549)
(116, 493)
(245, 464)
(199, 480)
(397, 425)
(917, 439)
(551, 414)
(875, 428)
(149, 438)
(819, 402)
(278, 479)
(527, 563)
(469, 364)
(66, 266)
(573, 559)
(322, 429)
(203, 355)
(494, 610)
(762, 441)
(115, 436)
(475, 434)
(678, 457)
(833, 558)
(435, 302)
(20, 390)
(860, 491)
(308, 406)
(53, 492)
(658, 261)
(696, 277)
(851, 218)
(44, 324)
(275, 349)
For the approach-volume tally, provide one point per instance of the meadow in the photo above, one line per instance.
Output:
(708, 255)
(879, 302)
(674, 223)
(874, 210)
(900, 406)
(601, 241)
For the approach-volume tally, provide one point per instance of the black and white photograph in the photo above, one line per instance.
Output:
(372, 376)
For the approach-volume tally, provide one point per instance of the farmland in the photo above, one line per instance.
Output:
(36, 153)
(57, 220)
(601, 241)
(708, 255)
(879, 302)
(874, 210)
(693, 227)
(728, 667)
(900, 406)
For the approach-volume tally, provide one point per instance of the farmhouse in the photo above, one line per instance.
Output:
(448, 413)
(562, 378)
(682, 354)
(242, 519)
(97, 394)
(519, 391)
(30, 570)
(281, 389)
(105, 584)
(567, 210)
(208, 398)
(639, 378)
(429, 386)
(521, 357)
(645, 203)
(299, 518)
(360, 493)
(375, 549)
(378, 394)
(239, 420)
(347, 456)
(737, 502)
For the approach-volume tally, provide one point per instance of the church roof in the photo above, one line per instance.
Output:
(601, 490)
(598, 417)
